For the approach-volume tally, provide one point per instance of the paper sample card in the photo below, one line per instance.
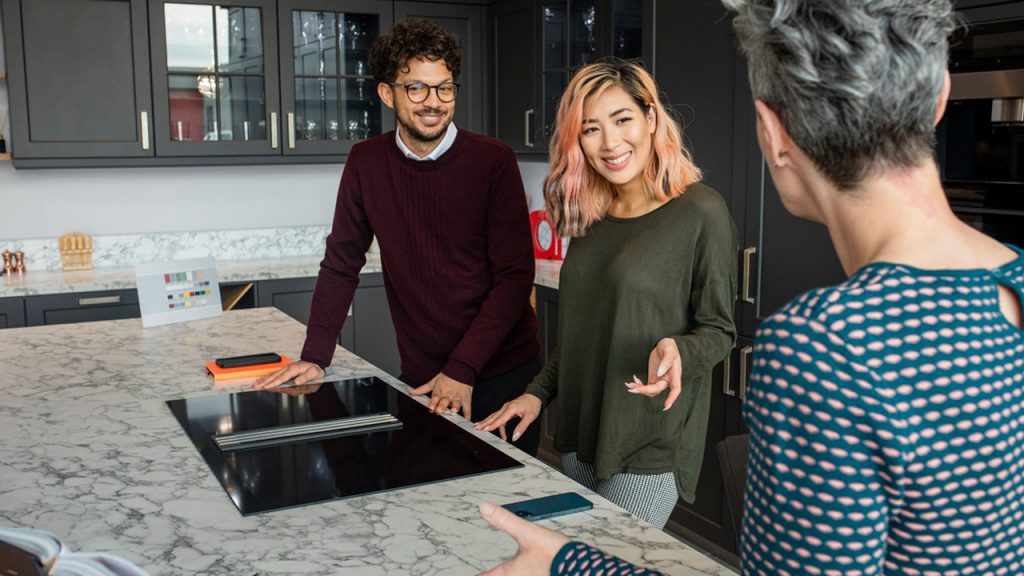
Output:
(178, 291)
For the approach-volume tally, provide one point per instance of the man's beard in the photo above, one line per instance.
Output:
(415, 133)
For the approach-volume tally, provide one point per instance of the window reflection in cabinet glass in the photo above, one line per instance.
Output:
(242, 109)
(239, 40)
(226, 102)
(331, 52)
(189, 37)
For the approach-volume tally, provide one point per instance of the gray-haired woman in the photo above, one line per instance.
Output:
(886, 413)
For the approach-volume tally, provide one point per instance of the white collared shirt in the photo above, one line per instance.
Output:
(446, 143)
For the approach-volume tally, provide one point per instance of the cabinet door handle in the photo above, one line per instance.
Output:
(727, 376)
(97, 300)
(273, 130)
(526, 128)
(144, 120)
(291, 130)
(747, 253)
(744, 372)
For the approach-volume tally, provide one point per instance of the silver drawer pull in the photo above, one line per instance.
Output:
(747, 254)
(291, 130)
(527, 141)
(744, 371)
(727, 376)
(144, 122)
(273, 130)
(99, 300)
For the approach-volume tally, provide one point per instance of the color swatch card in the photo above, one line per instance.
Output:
(178, 291)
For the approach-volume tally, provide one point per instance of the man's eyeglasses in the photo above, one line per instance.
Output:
(418, 91)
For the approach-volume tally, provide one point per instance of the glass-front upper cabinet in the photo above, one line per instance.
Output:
(215, 78)
(328, 96)
(570, 41)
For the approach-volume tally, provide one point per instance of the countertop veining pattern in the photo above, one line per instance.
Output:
(91, 453)
(56, 282)
(115, 251)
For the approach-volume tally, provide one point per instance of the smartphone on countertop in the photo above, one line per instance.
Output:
(250, 360)
(550, 506)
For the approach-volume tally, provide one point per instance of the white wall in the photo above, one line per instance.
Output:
(51, 202)
(46, 203)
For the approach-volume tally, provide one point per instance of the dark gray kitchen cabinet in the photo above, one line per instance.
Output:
(467, 23)
(328, 97)
(215, 77)
(81, 307)
(367, 331)
(78, 78)
(294, 297)
(374, 333)
(513, 74)
(537, 45)
(12, 312)
(780, 255)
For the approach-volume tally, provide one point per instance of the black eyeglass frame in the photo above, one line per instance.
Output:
(455, 93)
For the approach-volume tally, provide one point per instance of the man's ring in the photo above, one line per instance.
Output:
(457, 399)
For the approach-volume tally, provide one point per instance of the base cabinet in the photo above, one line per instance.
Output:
(368, 330)
(81, 307)
(12, 312)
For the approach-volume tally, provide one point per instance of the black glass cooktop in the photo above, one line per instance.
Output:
(308, 444)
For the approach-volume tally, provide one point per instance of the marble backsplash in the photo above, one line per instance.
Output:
(128, 250)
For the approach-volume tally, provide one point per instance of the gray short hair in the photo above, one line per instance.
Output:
(855, 82)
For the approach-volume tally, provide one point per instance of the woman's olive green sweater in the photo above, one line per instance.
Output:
(625, 285)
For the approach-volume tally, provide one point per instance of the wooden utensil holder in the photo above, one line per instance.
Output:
(76, 251)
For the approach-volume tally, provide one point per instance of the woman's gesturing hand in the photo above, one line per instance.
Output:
(664, 370)
(527, 407)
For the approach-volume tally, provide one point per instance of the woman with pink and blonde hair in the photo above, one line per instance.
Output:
(645, 296)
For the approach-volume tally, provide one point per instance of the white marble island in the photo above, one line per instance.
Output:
(90, 452)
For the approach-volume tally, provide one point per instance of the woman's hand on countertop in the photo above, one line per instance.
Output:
(526, 407)
(301, 371)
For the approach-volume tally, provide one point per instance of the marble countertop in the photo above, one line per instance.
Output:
(33, 283)
(91, 453)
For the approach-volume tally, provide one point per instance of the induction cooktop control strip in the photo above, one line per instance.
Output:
(308, 431)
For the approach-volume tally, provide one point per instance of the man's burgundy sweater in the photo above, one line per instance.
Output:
(454, 238)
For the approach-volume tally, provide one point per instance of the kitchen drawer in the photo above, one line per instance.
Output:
(81, 307)
(12, 312)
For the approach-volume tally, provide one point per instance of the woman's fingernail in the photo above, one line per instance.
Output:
(661, 370)
(515, 436)
(487, 508)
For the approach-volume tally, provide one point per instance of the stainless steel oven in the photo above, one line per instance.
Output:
(980, 141)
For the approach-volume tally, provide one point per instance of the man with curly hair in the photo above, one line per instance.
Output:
(449, 212)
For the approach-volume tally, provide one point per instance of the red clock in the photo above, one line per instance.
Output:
(544, 238)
